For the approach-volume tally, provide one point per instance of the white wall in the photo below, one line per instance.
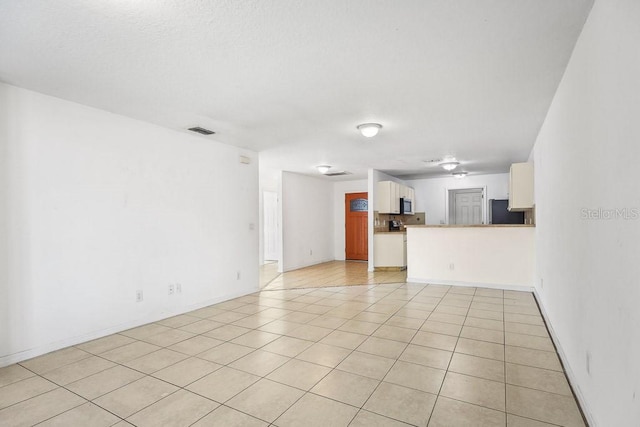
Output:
(5, 319)
(586, 157)
(307, 220)
(339, 190)
(431, 193)
(96, 206)
(493, 257)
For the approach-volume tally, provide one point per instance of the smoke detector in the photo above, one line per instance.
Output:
(201, 130)
(433, 161)
(337, 173)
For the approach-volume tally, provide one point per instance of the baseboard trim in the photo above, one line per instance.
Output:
(305, 265)
(573, 383)
(58, 345)
(504, 287)
(389, 269)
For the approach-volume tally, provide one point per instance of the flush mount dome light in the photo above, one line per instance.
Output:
(449, 165)
(369, 129)
(323, 169)
(460, 174)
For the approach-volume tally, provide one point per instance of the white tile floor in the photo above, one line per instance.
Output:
(375, 355)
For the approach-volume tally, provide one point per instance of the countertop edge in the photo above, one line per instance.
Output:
(473, 226)
(390, 232)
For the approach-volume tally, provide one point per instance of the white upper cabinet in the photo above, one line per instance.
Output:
(404, 192)
(521, 187)
(411, 195)
(389, 194)
(388, 197)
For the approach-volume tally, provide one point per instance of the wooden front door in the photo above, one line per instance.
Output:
(356, 219)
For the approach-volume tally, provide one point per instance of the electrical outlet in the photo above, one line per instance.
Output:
(588, 363)
(451, 266)
(238, 275)
(139, 296)
(171, 289)
(310, 252)
(179, 288)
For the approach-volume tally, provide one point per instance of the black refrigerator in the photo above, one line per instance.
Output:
(499, 213)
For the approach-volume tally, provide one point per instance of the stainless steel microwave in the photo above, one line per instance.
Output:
(406, 206)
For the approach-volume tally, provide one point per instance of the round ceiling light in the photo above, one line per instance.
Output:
(449, 166)
(369, 129)
(460, 174)
(323, 168)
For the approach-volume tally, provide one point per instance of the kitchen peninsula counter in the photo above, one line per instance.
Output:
(493, 255)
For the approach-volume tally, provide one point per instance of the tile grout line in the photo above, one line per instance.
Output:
(349, 298)
(406, 346)
(148, 375)
(90, 354)
(332, 370)
(353, 350)
(394, 363)
(452, 352)
(305, 392)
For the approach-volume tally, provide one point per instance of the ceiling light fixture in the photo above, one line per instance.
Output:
(450, 165)
(323, 169)
(369, 129)
(460, 174)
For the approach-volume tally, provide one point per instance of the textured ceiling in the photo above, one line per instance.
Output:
(292, 78)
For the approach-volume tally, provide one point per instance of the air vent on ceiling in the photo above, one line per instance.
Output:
(337, 173)
(201, 131)
(433, 160)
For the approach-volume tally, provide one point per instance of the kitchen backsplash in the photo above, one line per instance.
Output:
(381, 221)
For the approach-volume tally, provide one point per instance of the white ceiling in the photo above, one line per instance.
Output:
(292, 78)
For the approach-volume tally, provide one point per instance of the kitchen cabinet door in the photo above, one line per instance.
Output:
(388, 197)
(389, 194)
(390, 250)
(383, 197)
(403, 192)
(395, 199)
(521, 187)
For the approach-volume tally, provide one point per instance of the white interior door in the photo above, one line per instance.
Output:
(467, 206)
(270, 229)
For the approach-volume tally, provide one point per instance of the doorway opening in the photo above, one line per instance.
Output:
(356, 219)
(270, 229)
(466, 206)
(270, 238)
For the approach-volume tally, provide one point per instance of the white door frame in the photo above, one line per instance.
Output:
(485, 201)
(274, 237)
